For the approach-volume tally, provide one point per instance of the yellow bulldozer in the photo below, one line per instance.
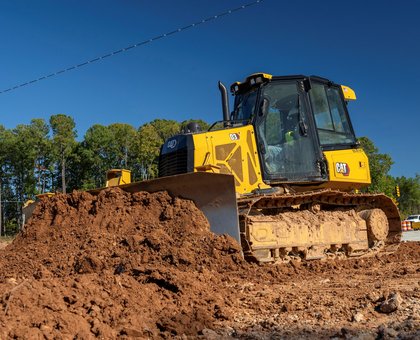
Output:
(281, 173)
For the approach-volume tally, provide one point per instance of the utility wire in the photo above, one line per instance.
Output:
(125, 49)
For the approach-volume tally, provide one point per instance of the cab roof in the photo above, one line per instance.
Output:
(256, 79)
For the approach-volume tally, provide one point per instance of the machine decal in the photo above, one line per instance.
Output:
(234, 136)
(342, 168)
(171, 144)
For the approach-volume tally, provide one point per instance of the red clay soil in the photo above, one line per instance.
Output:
(143, 265)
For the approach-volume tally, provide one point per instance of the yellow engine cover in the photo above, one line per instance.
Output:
(348, 169)
(230, 151)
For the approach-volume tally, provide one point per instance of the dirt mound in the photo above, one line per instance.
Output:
(114, 264)
(122, 265)
(81, 233)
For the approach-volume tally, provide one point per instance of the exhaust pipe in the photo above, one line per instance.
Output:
(225, 104)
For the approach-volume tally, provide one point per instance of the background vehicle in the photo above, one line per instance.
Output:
(413, 218)
(414, 221)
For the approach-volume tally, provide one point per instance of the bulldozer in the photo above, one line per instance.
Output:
(297, 170)
(282, 173)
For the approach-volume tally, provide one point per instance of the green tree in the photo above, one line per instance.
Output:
(122, 144)
(29, 152)
(380, 165)
(165, 128)
(95, 153)
(5, 145)
(79, 170)
(150, 138)
(147, 146)
(64, 141)
(6, 171)
(41, 154)
(409, 201)
(201, 123)
(24, 151)
(107, 147)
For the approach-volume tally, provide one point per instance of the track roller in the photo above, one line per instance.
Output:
(377, 225)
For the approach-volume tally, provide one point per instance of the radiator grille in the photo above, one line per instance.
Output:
(173, 163)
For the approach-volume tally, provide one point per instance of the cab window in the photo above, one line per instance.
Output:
(287, 150)
(330, 116)
(245, 106)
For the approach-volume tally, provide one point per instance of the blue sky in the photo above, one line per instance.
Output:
(371, 46)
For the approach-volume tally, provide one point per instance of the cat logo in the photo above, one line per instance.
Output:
(342, 168)
(171, 144)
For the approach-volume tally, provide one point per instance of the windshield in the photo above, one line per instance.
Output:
(330, 116)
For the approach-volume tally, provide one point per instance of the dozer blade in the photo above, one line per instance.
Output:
(213, 194)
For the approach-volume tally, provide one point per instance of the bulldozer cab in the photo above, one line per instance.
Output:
(295, 119)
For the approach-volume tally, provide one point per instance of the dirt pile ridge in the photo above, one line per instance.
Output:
(121, 265)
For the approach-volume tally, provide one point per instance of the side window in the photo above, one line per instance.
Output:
(330, 115)
(337, 111)
(245, 106)
(321, 108)
(282, 112)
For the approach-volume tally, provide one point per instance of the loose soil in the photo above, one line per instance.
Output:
(120, 265)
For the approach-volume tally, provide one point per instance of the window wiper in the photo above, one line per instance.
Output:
(302, 125)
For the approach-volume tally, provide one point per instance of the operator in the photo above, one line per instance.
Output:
(291, 127)
(286, 116)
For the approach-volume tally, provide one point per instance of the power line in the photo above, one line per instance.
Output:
(125, 49)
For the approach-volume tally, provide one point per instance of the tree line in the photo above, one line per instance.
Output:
(45, 156)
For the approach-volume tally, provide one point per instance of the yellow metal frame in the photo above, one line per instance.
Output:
(255, 78)
(115, 177)
(348, 93)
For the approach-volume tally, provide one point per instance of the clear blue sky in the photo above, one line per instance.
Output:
(372, 46)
